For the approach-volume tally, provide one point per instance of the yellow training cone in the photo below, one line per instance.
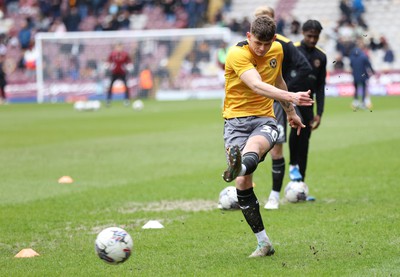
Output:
(26, 253)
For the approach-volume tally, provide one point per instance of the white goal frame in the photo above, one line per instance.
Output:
(44, 93)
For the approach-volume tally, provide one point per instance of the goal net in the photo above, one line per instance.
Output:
(71, 66)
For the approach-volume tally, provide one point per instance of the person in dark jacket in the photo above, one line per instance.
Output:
(361, 70)
(299, 144)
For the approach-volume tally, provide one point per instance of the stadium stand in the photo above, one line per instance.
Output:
(381, 18)
(380, 15)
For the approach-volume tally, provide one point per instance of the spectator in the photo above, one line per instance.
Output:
(222, 51)
(388, 57)
(295, 30)
(135, 6)
(358, 11)
(98, 26)
(25, 39)
(374, 44)
(196, 9)
(72, 20)
(29, 60)
(25, 34)
(124, 22)
(281, 25)
(145, 82)
(338, 63)
(203, 52)
(57, 26)
(346, 11)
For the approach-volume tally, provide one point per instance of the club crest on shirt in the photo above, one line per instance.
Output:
(317, 63)
(273, 63)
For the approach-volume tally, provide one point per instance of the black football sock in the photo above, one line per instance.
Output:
(251, 209)
(250, 161)
(278, 173)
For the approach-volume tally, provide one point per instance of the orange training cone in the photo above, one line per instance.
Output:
(65, 180)
(26, 253)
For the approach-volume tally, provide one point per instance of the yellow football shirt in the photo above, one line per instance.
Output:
(240, 100)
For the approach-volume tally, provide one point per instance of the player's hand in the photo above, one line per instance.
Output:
(295, 122)
(302, 98)
(315, 122)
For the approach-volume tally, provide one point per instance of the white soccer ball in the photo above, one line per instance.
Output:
(138, 105)
(296, 191)
(94, 105)
(79, 105)
(87, 105)
(114, 245)
(228, 199)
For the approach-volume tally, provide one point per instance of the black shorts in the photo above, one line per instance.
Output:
(281, 120)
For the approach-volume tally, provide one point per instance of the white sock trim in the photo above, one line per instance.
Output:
(262, 236)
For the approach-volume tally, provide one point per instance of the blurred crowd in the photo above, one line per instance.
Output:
(21, 20)
(352, 31)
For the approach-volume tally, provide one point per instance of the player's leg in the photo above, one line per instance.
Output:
(363, 86)
(304, 140)
(367, 101)
(356, 102)
(250, 208)
(109, 92)
(255, 136)
(3, 98)
(294, 148)
(278, 160)
(123, 78)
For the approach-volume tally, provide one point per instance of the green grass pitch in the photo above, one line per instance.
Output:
(165, 163)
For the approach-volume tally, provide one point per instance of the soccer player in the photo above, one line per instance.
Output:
(295, 67)
(361, 69)
(253, 80)
(119, 63)
(3, 79)
(299, 144)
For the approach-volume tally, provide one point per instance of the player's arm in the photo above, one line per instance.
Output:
(293, 119)
(253, 80)
(286, 105)
(320, 95)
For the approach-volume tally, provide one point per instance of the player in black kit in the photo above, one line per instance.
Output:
(299, 145)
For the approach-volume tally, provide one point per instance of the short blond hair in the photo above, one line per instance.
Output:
(264, 10)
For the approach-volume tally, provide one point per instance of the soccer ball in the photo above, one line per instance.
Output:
(87, 105)
(114, 245)
(228, 199)
(137, 105)
(296, 191)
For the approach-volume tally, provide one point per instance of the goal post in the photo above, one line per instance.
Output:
(71, 66)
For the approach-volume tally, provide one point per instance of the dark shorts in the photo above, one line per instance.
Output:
(239, 129)
(281, 120)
